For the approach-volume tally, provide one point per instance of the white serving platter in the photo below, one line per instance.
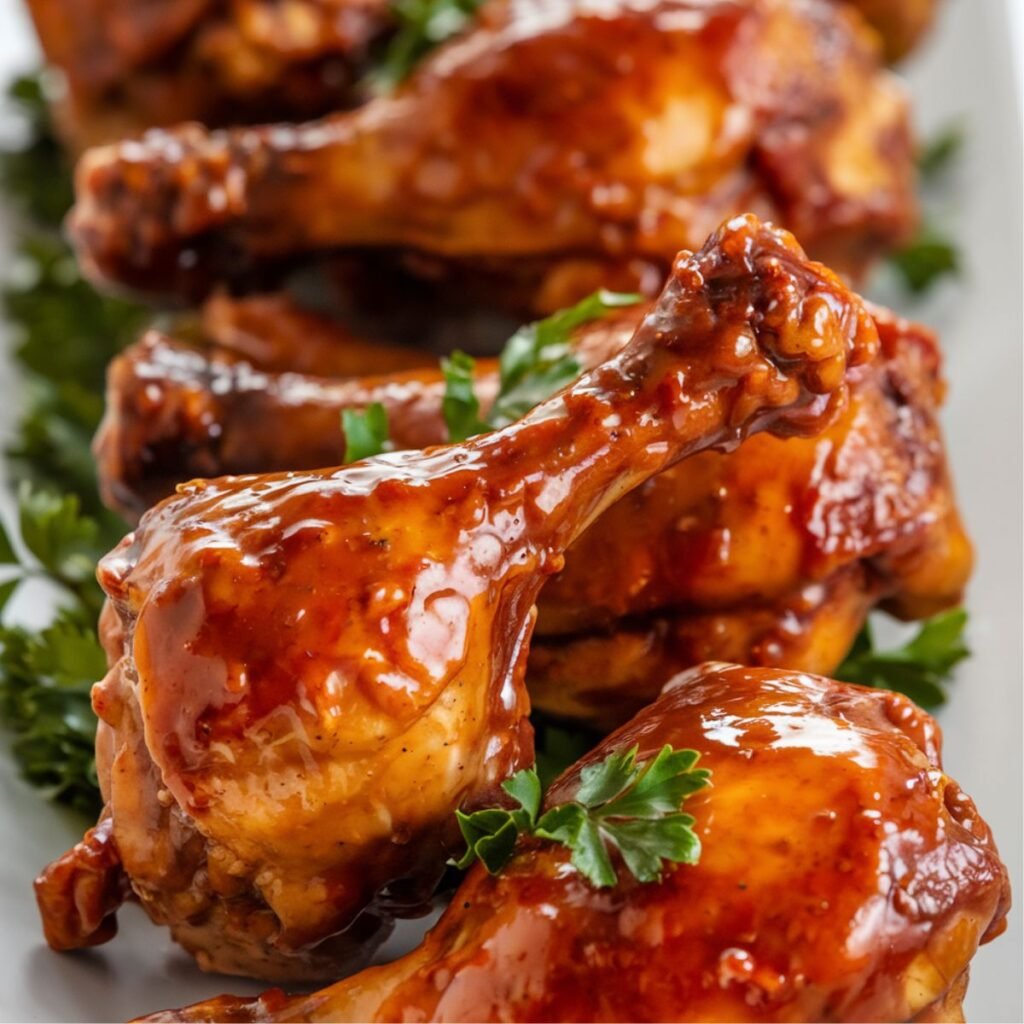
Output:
(966, 72)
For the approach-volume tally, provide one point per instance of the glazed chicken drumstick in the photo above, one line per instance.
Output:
(773, 554)
(129, 65)
(842, 877)
(587, 142)
(316, 668)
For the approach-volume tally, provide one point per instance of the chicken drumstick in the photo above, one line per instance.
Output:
(319, 667)
(558, 133)
(842, 877)
(131, 64)
(773, 554)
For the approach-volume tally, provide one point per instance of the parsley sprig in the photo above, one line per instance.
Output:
(633, 807)
(421, 26)
(940, 152)
(366, 432)
(65, 333)
(46, 674)
(931, 255)
(919, 668)
(535, 362)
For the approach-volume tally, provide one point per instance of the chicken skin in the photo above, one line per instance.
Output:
(773, 554)
(259, 385)
(585, 142)
(132, 64)
(129, 66)
(843, 877)
(314, 669)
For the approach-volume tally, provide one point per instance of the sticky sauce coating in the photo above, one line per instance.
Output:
(604, 137)
(843, 877)
(318, 668)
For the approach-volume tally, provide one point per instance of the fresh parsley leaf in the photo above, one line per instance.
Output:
(939, 152)
(54, 530)
(524, 787)
(931, 256)
(65, 331)
(36, 176)
(538, 359)
(421, 26)
(491, 834)
(63, 547)
(926, 260)
(65, 334)
(536, 362)
(589, 853)
(366, 432)
(460, 405)
(620, 804)
(46, 675)
(919, 668)
(45, 680)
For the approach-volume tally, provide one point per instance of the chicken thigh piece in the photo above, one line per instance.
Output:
(317, 668)
(842, 876)
(773, 554)
(129, 65)
(566, 132)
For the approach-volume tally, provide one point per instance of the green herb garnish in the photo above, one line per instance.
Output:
(919, 668)
(536, 362)
(538, 359)
(46, 674)
(931, 256)
(422, 25)
(926, 260)
(64, 334)
(632, 807)
(366, 432)
(939, 152)
(460, 406)
(36, 176)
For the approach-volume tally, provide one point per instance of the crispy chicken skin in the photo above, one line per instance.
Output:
(605, 135)
(317, 668)
(770, 555)
(842, 877)
(130, 65)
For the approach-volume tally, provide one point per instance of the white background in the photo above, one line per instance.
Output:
(967, 72)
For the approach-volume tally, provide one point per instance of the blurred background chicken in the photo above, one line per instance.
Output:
(554, 147)
(127, 66)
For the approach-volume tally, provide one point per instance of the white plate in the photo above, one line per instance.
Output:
(965, 72)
